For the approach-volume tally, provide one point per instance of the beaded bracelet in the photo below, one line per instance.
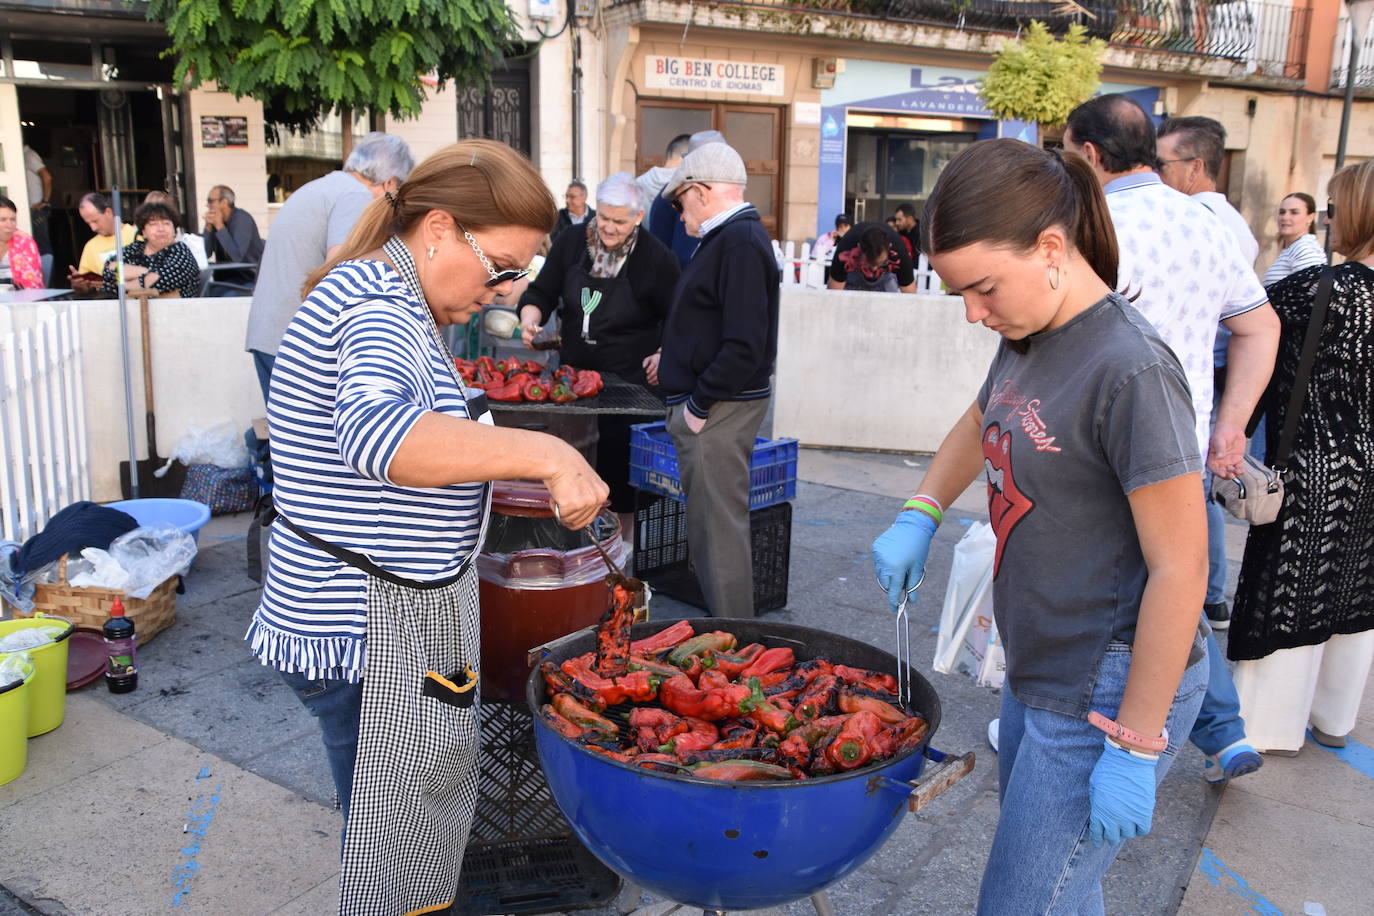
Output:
(927, 504)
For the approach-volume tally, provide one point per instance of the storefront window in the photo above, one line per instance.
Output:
(885, 168)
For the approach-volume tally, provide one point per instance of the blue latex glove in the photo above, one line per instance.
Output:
(899, 554)
(1122, 793)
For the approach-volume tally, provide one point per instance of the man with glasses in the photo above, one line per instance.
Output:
(231, 236)
(716, 366)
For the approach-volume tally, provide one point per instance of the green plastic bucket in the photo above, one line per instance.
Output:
(48, 692)
(14, 726)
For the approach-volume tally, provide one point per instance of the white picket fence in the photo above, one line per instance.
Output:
(800, 269)
(42, 418)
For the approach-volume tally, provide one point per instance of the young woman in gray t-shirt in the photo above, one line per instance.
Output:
(1084, 429)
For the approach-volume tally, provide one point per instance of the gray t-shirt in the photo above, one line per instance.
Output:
(1094, 410)
(314, 219)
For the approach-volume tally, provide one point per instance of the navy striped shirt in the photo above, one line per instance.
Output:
(357, 367)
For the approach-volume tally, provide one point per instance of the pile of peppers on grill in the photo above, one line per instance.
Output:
(702, 705)
(513, 379)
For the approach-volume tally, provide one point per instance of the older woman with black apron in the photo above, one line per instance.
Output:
(612, 285)
(381, 461)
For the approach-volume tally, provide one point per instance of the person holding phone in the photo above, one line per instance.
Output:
(97, 213)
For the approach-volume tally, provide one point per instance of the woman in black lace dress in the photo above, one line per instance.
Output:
(1303, 625)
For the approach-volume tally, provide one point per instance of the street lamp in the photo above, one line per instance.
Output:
(1360, 11)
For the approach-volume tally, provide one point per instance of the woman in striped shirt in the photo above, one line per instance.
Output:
(1298, 238)
(380, 459)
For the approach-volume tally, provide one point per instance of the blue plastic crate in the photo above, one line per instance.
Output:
(653, 466)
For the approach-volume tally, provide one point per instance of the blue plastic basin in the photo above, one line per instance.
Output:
(187, 514)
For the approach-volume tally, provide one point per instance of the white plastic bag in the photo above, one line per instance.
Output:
(96, 569)
(151, 555)
(968, 640)
(220, 445)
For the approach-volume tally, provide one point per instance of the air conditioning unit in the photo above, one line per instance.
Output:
(823, 71)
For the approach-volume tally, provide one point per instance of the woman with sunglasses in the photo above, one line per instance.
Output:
(615, 284)
(381, 460)
(1302, 626)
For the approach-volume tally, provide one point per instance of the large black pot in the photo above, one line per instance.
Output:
(735, 846)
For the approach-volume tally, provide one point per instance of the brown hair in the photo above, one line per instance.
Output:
(1006, 192)
(480, 183)
(1352, 191)
(1310, 204)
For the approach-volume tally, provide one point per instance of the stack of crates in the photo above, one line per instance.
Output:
(661, 557)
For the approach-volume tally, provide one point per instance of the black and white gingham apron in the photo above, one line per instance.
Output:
(415, 780)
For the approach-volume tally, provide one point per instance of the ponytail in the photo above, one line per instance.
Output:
(1096, 236)
(480, 183)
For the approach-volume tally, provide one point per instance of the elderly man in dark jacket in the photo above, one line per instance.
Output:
(719, 345)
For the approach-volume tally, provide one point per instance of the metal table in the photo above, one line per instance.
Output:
(16, 296)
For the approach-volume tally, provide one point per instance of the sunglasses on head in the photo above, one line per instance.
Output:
(496, 277)
(677, 198)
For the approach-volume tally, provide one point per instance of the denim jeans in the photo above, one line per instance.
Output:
(1216, 544)
(1219, 724)
(338, 705)
(263, 363)
(1042, 860)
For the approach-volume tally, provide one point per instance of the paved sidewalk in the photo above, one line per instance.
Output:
(206, 791)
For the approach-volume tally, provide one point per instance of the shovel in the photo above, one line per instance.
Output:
(136, 480)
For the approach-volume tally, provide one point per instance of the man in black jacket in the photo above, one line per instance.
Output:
(719, 344)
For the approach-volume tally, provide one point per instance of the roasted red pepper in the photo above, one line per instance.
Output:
(908, 734)
(556, 679)
(504, 392)
(587, 384)
(533, 367)
(853, 746)
(561, 394)
(732, 663)
(487, 363)
(534, 390)
(794, 752)
(576, 713)
(661, 669)
(741, 771)
(788, 689)
(663, 640)
(868, 680)
(684, 698)
(654, 727)
(511, 364)
(717, 640)
(819, 698)
(661, 763)
(613, 637)
(559, 724)
(768, 661)
(768, 714)
(853, 699)
(699, 736)
(718, 753)
(738, 734)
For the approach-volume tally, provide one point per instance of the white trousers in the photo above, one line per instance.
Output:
(1282, 692)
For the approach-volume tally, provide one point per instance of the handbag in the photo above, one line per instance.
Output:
(1256, 495)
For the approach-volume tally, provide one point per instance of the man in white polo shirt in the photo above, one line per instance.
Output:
(1190, 157)
(1186, 274)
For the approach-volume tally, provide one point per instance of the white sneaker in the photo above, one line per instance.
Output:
(992, 733)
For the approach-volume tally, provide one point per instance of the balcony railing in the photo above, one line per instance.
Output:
(1340, 58)
(1268, 36)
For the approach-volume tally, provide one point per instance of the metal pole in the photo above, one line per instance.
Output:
(124, 348)
(1349, 92)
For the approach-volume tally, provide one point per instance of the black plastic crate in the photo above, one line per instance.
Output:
(661, 557)
(521, 856)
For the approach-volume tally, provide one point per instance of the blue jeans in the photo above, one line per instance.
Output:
(1042, 860)
(338, 705)
(1219, 724)
(1216, 544)
(263, 362)
(1258, 447)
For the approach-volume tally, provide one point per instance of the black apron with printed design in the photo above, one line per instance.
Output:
(620, 332)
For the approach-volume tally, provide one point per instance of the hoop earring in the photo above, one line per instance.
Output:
(431, 253)
(1054, 276)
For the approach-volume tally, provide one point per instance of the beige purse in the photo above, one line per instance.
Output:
(1256, 496)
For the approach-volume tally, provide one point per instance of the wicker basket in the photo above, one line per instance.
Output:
(90, 607)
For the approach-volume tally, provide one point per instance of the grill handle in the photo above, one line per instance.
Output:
(948, 770)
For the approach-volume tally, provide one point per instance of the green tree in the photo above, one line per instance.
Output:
(306, 58)
(1040, 79)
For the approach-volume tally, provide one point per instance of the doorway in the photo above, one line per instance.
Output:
(887, 167)
(755, 131)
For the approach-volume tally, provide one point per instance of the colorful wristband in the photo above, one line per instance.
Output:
(1119, 732)
(925, 504)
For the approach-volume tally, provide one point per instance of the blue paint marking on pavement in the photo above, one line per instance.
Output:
(204, 773)
(1215, 871)
(197, 822)
(1357, 755)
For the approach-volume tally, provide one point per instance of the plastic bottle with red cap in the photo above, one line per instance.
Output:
(121, 654)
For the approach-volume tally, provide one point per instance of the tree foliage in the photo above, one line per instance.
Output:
(1042, 79)
(306, 58)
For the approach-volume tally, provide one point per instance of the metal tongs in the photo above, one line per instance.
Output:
(616, 575)
(904, 646)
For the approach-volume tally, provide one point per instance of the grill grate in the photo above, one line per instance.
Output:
(618, 396)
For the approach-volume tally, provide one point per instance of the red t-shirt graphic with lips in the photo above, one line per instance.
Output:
(1007, 505)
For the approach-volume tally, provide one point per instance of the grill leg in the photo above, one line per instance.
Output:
(821, 901)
